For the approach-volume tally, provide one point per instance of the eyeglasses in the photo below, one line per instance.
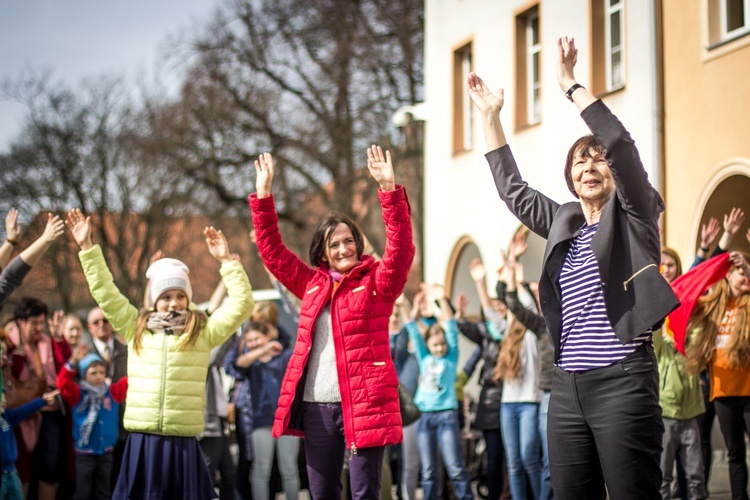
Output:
(100, 322)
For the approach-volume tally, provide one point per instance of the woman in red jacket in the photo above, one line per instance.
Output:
(340, 390)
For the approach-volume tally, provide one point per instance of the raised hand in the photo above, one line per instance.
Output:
(482, 96)
(56, 324)
(263, 175)
(54, 228)
(734, 220)
(416, 304)
(738, 260)
(477, 270)
(709, 232)
(217, 244)
(79, 353)
(13, 229)
(462, 301)
(80, 228)
(567, 56)
(518, 244)
(381, 167)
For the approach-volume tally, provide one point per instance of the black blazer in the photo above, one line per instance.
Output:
(626, 244)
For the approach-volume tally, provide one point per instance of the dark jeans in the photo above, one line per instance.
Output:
(93, 473)
(325, 446)
(606, 428)
(734, 420)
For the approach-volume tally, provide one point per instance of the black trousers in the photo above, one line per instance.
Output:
(93, 474)
(605, 428)
(734, 420)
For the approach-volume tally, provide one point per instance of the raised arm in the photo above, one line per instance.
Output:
(239, 304)
(531, 207)
(115, 306)
(391, 274)
(479, 274)
(732, 223)
(289, 269)
(52, 231)
(634, 191)
(13, 232)
(709, 233)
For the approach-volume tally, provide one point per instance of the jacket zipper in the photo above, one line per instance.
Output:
(346, 410)
(625, 283)
(163, 382)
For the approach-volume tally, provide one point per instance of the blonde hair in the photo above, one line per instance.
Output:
(707, 316)
(508, 365)
(196, 322)
(266, 311)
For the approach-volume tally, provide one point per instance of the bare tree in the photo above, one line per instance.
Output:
(77, 149)
(313, 82)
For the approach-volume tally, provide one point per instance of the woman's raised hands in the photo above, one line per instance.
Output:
(482, 96)
(217, 244)
(80, 228)
(263, 175)
(567, 56)
(381, 167)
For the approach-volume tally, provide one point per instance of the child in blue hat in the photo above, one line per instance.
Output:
(95, 405)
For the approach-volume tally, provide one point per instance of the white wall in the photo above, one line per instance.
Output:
(460, 197)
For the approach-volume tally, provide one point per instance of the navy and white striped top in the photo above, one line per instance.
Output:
(588, 340)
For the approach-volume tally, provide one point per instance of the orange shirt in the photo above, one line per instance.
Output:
(727, 380)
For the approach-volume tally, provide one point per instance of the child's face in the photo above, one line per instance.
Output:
(172, 300)
(437, 345)
(255, 339)
(96, 375)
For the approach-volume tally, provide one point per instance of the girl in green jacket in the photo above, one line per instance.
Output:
(169, 347)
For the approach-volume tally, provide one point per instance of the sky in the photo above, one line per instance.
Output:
(78, 39)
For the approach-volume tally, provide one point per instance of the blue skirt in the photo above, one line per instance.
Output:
(163, 468)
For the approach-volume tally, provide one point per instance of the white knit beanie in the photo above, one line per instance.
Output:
(167, 274)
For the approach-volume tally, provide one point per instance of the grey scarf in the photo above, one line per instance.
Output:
(91, 404)
(170, 323)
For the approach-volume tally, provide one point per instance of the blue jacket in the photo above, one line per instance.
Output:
(11, 418)
(106, 430)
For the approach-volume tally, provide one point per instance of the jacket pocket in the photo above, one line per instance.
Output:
(381, 382)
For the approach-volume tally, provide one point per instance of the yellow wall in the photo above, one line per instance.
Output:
(707, 119)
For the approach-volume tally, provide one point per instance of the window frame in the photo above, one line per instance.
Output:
(463, 110)
(609, 11)
(727, 35)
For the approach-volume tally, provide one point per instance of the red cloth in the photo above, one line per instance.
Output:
(360, 310)
(688, 288)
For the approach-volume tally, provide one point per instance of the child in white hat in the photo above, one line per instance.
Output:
(169, 347)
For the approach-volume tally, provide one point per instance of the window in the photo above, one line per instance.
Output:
(727, 21)
(528, 68)
(613, 34)
(608, 46)
(735, 18)
(463, 111)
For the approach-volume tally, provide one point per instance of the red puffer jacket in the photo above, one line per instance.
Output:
(360, 309)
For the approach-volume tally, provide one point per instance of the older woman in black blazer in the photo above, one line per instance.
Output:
(601, 295)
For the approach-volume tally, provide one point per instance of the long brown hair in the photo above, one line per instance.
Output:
(708, 315)
(508, 365)
(196, 322)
